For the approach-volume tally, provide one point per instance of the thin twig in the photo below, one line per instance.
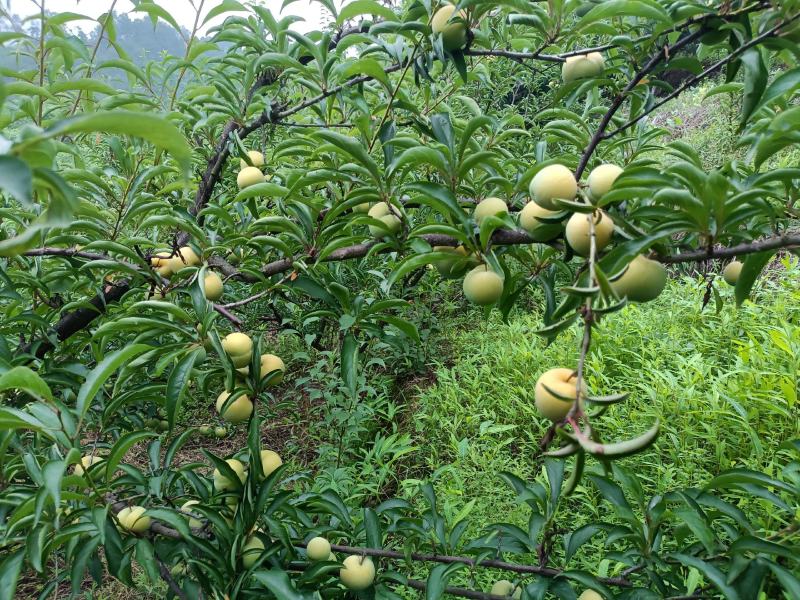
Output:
(701, 76)
(228, 315)
(90, 68)
(663, 54)
(167, 577)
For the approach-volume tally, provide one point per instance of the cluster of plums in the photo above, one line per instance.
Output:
(239, 348)
(251, 174)
(542, 218)
(452, 26)
(166, 263)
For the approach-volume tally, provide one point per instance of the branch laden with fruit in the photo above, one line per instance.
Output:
(121, 241)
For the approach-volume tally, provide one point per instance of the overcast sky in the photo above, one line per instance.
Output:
(313, 13)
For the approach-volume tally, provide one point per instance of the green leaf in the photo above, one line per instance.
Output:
(350, 362)
(725, 88)
(782, 85)
(755, 80)
(226, 6)
(748, 543)
(620, 449)
(364, 7)
(742, 477)
(372, 526)
(157, 130)
(695, 519)
(146, 558)
(438, 578)
(618, 8)
(267, 190)
(579, 537)
(16, 178)
(98, 376)
(9, 573)
(12, 418)
(278, 584)
(751, 269)
(367, 66)
(177, 383)
(121, 447)
(22, 378)
(712, 573)
(52, 474)
(156, 12)
(789, 581)
(355, 150)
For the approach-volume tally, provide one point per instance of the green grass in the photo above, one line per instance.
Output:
(723, 386)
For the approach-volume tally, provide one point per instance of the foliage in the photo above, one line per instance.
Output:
(119, 201)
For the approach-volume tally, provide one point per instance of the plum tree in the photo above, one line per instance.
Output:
(318, 548)
(556, 391)
(451, 26)
(237, 411)
(483, 286)
(732, 271)
(489, 207)
(357, 572)
(551, 183)
(125, 201)
(642, 281)
(579, 228)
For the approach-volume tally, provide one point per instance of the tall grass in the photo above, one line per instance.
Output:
(724, 387)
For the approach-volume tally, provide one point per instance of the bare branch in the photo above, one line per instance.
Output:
(167, 577)
(237, 322)
(466, 560)
(786, 241)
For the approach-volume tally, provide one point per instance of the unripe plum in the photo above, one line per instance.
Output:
(454, 33)
(554, 181)
(578, 230)
(562, 382)
(483, 286)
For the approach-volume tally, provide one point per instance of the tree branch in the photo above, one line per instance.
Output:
(77, 320)
(562, 57)
(221, 153)
(167, 577)
(471, 562)
(662, 54)
(778, 242)
(701, 76)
